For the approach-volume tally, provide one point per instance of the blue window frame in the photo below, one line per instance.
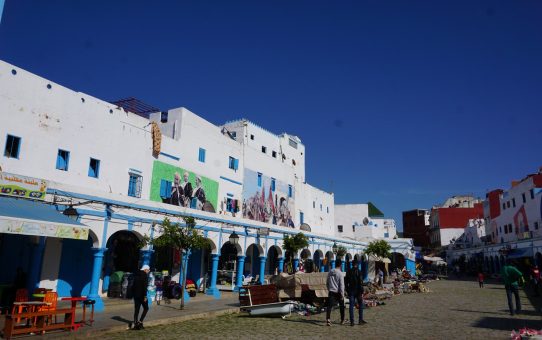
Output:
(165, 188)
(134, 185)
(301, 217)
(290, 191)
(94, 168)
(273, 184)
(327, 209)
(386, 235)
(62, 160)
(201, 156)
(233, 163)
(313, 204)
(13, 144)
(259, 180)
(320, 206)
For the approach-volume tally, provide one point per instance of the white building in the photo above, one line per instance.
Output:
(363, 222)
(120, 174)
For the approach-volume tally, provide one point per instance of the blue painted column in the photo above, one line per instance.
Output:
(240, 267)
(281, 265)
(343, 266)
(146, 256)
(296, 264)
(95, 281)
(262, 269)
(331, 265)
(322, 267)
(35, 264)
(186, 256)
(214, 272)
(350, 264)
(365, 265)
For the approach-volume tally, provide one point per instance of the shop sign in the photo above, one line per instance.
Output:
(21, 186)
(263, 231)
(40, 228)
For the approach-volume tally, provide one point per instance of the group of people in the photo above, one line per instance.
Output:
(339, 285)
(182, 193)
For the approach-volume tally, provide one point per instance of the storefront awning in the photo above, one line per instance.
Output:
(26, 217)
(522, 252)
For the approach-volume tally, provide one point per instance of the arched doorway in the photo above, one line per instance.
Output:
(305, 263)
(329, 258)
(121, 260)
(198, 266)
(317, 260)
(348, 261)
(252, 261)
(398, 261)
(272, 260)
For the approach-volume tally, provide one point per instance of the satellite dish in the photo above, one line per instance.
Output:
(365, 221)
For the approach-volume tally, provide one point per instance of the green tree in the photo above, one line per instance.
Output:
(293, 244)
(379, 248)
(183, 238)
(341, 251)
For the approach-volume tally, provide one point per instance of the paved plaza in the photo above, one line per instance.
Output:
(452, 309)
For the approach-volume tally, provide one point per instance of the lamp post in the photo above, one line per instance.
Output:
(334, 248)
(71, 212)
(234, 238)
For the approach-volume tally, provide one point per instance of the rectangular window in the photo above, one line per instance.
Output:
(523, 198)
(264, 149)
(290, 191)
(320, 206)
(201, 156)
(274, 154)
(353, 228)
(251, 137)
(165, 189)
(232, 205)
(62, 160)
(327, 208)
(508, 204)
(233, 163)
(386, 235)
(301, 217)
(134, 185)
(259, 180)
(340, 228)
(536, 226)
(94, 168)
(313, 204)
(273, 184)
(532, 193)
(513, 202)
(13, 145)
(292, 143)
(503, 206)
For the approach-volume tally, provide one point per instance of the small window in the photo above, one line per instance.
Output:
(233, 134)
(233, 163)
(62, 160)
(290, 191)
(508, 204)
(513, 202)
(12, 147)
(274, 154)
(201, 156)
(327, 208)
(134, 185)
(340, 228)
(165, 189)
(523, 198)
(251, 137)
(273, 184)
(163, 117)
(386, 235)
(264, 149)
(94, 168)
(503, 206)
(536, 226)
(301, 217)
(532, 193)
(292, 143)
(353, 228)
(232, 205)
(259, 180)
(313, 204)
(320, 206)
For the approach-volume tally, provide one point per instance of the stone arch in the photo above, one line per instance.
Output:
(272, 260)
(252, 262)
(305, 254)
(94, 239)
(398, 261)
(123, 250)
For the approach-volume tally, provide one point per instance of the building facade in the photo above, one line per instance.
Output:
(416, 226)
(118, 174)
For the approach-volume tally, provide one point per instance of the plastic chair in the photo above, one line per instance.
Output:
(21, 295)
(51, 298)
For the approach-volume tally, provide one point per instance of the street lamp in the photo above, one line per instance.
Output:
(334, 248)
(71, 212)
(234, 238)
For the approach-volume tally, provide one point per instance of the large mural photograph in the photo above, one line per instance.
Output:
(180, 187)
(267, 200)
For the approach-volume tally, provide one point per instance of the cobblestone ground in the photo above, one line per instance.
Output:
(452, 309)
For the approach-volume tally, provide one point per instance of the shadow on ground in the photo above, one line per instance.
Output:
(506, 323)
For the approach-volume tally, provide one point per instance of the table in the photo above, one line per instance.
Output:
(74, 300)
(32, 306)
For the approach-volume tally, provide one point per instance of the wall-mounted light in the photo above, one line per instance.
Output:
(234, 238)
(71, 212)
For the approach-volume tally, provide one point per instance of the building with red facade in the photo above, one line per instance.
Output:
(416, 227)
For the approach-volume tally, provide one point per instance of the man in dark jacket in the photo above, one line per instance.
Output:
(354, 287)
(141, 280)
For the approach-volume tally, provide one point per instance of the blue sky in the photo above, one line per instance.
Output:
(399, 103)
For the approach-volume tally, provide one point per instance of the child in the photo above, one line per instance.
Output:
(481, 279)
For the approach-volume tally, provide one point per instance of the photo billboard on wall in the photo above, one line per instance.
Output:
(177, 186)
(266, 199)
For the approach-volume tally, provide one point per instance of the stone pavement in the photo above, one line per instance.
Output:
(452, 309)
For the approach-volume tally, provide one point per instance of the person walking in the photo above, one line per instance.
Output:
(481, 279)
(141, 281)
(511, 275)
(335, 287)
(354, 287)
